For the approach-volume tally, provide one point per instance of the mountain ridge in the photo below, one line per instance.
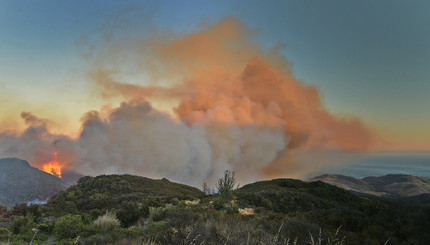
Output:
(20, 183)
(391, 185)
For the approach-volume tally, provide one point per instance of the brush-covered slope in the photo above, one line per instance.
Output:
(289, 195)
(19, 182)
(110, 191)
(400, 185)
(266, 212)
(392, 185)
(364, 219)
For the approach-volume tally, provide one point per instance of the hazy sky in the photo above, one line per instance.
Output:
(369, 59)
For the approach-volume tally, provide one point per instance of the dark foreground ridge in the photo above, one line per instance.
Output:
(126, 209)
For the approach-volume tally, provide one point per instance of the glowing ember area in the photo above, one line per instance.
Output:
(53, 167)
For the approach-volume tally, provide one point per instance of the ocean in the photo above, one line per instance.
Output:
(379, 164)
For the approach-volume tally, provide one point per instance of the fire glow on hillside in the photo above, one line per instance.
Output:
(53, 167)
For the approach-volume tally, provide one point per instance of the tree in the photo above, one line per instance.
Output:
(225, 185)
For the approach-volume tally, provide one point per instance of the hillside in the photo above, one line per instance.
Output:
(392, 185)
(364, 219)
(19, 183)
(289, 195)
(111, 191)
(126, 209)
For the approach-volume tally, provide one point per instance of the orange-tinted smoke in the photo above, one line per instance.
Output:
(221, 65)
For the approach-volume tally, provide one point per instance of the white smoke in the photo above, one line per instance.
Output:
(136, 138)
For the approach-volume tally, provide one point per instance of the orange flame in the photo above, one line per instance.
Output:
(53, 167)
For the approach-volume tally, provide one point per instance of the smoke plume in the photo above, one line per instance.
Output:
(230, 105)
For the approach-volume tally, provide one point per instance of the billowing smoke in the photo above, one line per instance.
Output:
(232, 106)
(36, 144)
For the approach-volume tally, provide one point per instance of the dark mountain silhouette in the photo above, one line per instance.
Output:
(20, 183)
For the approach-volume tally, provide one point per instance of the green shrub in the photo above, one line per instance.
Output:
(128, 213)
(4, 234)
(155, 202)
(23, 225)
(232, 210)
(218, 204)
(46, 227)
(182, 205)
(91, 230)
(94, 213)
(144, 209)
(158, 214)
(68, 226)
(174, 201)
(216, 215)
(35, 210)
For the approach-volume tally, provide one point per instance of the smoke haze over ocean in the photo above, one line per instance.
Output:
(413, 163)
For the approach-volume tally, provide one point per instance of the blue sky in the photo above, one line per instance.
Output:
(368, 58)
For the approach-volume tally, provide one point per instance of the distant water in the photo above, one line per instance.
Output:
(417, 164)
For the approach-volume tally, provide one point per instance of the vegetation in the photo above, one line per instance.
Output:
(226, 184)
(125, 209)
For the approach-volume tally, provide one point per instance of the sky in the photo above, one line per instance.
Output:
(368, 59)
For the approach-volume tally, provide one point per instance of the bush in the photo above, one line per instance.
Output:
(46, 227)
(174, 201)
(232, 210)
(94, 213)
(23, 225)
(128, 213)
(218, 204)
(4, 234)
(19, 210)
(90, 230)
(159, 214)
(35, 211)
(107, 222)
(155, 202)
(68, 226)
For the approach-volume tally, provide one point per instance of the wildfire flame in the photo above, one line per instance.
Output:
(53, 167)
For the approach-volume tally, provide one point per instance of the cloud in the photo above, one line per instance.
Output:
(235, 106)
